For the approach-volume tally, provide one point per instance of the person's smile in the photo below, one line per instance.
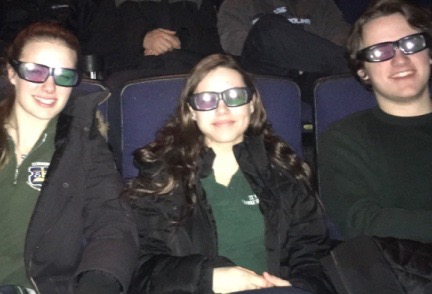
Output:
(224, 123)
(409, 73)
(47, 102)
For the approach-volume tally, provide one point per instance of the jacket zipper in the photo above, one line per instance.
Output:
(15, 181)
(32, 280)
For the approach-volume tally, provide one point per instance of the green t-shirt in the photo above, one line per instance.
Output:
(20, 188)
(240, 223)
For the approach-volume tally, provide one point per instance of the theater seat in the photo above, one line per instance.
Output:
(88, 86)
(338, 96)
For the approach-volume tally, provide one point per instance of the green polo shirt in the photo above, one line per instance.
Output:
(240, 223)
(20, 188)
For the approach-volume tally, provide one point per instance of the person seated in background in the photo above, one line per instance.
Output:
(302, 40)
(63, 227)
(221, 203)
(375, 166)
(167, 37)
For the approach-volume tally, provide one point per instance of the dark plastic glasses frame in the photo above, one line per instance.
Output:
(22, 71)
(221, 96)
(401, 43)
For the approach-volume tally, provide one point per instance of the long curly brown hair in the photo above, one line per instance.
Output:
(179, 143)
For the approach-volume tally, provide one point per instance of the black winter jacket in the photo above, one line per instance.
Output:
(78, 223)
(374, 265)
(194, 21)
(178, 242)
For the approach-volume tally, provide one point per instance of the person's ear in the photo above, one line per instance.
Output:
(362, 73)
(193, 113)
(252, 104)
(12, 75)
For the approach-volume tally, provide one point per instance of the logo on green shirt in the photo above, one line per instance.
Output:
(37, 172)
(252, 200)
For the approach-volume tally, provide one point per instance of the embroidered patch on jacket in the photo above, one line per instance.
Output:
(37, 172)
(252, 200)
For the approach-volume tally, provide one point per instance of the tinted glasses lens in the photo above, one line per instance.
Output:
(236, 96)
(412, 44)
(65, 77)
(34, 72)
(380, 52)
(205, 100)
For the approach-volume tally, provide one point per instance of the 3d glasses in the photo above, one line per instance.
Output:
(38, 73)
(384, 51)
(209, 100)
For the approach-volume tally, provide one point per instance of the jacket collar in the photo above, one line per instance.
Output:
(205, 166)
(255, 164)
(84, 105)
(251, 145)
(83, 109)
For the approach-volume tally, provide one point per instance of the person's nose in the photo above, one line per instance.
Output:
(49, 85)
(222, 107)
(400, 58)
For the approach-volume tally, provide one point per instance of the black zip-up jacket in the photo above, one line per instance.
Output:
(374, 265)
(178, 243)
(78, 223)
